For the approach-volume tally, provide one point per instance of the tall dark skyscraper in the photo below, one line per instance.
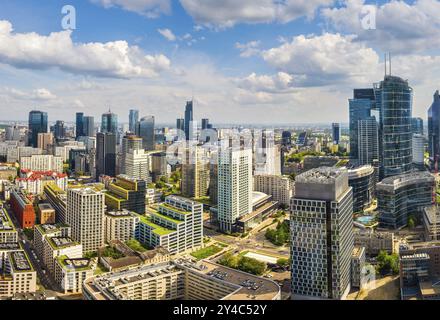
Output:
(205, 124)
(394, 100)
(360, 109)
(89, 126)
(145, 130)
(37, 124)
(287, 138)
(189, 120)
(59, 131)
(336, 133)
(133, 118)
(79, 124)
(109, 123)
(106, 154)
(434, 130)
(417, 125)
(180, 124)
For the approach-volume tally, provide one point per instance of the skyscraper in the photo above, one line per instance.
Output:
(79, 124)
(133, 118)
(195, 173)
(434, 130)
(359, 109)
(109, 123)
(336, 133)
(394, 100)
(189, 120)
(37, 124)
(85, 214)
(106, 154)
(234, 186)
(58, 130)
(145, 130)
(367, 141)
(417, 125)
(180, 124)
(321, 225)
(89, 126)
(205, 124)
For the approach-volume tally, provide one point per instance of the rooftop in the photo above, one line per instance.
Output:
(79, 264)
(321, 175)
(402, 180)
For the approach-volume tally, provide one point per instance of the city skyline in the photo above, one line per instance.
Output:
(238, 65)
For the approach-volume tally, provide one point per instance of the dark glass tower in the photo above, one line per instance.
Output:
(417, 125)
(205, 124)
(189, 120)
(336, 133)
(109, 123)
(434, 130)
(394, 101)
(133, 118)
(106, 154)
(145, 130)
(89, 126)
(37, 124)
(59, 129)
(79, 124)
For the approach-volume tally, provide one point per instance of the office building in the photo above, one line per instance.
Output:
(126, 193)
(137, 164)
(88, 126)
(321, 234)
(374, 241)
(286, 138)
(54, 247)
(302, 139)
(431, 223)
(105, 154)
(363, 181)
(180, 280)
(133, 118)
(37, 124)
(417, 126)
(434, 131)
(43, 231)
(195, 172)
(145, 130)
(281, 188)
(418, 150)
(85, 215)
(23, 209)
(336, 133)
(59, 130)
(234, 182)
(367, 141)
(189, 120)
(180, 124)
(176, 225)
(79, 124)
(120, 225)
(399, 197)
(109, 123)
(159, 165)
(357, 267)
(45, 141)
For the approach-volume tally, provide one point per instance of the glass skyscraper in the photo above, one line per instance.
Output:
(145, 130)
(394, 101)
(105, 154)
(189, 120)
(79, 124)
(89, 126)
(133, 118)
(109, 123)
(336, 133)
(434, 130)
(37, 124)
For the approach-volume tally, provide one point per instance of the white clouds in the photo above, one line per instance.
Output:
(148, 8)
(248, 49)
(111, 59)
(40, 94)
(324, 59)
(227, 13)
(279, 83)
(167, 34)
(400, 27)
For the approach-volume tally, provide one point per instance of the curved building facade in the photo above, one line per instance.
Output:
(363, 182)
(404, 195)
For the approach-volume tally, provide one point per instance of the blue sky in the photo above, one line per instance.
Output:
(259, 61)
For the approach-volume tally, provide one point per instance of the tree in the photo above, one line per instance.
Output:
(283, 262)
(388, 263)
(411, 222)
(252, 266)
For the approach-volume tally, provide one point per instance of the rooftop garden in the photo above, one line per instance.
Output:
(206, 252)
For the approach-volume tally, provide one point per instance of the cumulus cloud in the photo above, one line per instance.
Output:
(400, 27)
(279, 83)
(227, 13)
(324, 59)
(41, 94)
(148, 8)
(57, 50)
(167, 34)
(248, 49)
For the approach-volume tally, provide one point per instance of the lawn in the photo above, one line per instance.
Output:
(206, 252)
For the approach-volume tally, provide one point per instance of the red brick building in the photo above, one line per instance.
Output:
(23, 209)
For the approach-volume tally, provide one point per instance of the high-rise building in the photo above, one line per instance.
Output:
(418, 150)
(363, 181)
(359, 109)
(417, 125)
(321, 225)
(46, 162)
(180, 124)
(129, 142)
(367, 141)
(195, 173)
(45, 141)
(79, 124)
(109, 123)
(145, 130)
(434, 130)
(89, 126)
(279, 187)
(189, 119)
(336, 133)
(205, 124)
(137, 164)
(126, 193)
(287, 138)
(85, 215)
(59, 130)
(133, 118)
(394, 100)
(234, 185)
(37, 124)
(105, 154)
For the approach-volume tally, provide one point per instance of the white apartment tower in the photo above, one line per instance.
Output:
(137, 164)
(321, 225)
(234, 185)
(85, 215)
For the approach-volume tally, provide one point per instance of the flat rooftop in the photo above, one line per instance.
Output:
(321, 175)
(5, 221)
(61, 242)
(20, 262)
(406, 179)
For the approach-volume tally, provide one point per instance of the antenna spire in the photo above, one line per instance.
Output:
(385, 56)
(390, 61)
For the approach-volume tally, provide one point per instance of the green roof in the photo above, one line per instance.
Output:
(159, 230)
(165, 217)
(61, 260)
(170, 207)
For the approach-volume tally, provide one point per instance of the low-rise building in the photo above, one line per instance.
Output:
(71, 273)
(23, 209)
(43, 231)
(54, 247)
(357, 266)
(280, 187)
(431, 223)
(120, 225)
(58, 199)
(42, 162)
(46, 213)
(35, 181)
(8, 233)
(374, 242)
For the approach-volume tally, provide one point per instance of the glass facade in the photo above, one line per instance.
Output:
(434, 130)
(145, 130)
(79, 124)
(394, 100)
(133, 118)
(359, 109)
(109, 123)
(37, 124)
(188, 120)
